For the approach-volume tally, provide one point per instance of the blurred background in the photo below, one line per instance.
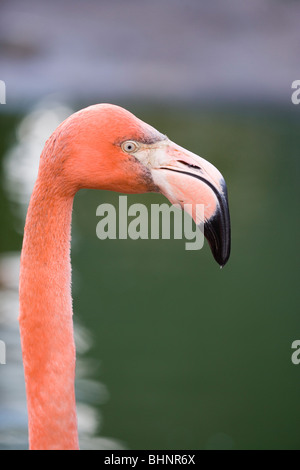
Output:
(172, 352)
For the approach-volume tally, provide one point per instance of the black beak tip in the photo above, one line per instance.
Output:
(217, 233)
(222, 261)
(220, 253)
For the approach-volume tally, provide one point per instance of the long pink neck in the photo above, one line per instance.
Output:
(46, 320)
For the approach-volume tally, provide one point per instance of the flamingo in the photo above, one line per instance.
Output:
(100, 147)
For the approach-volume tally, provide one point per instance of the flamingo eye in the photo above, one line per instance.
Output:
(130, 146)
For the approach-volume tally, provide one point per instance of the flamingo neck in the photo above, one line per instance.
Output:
(46, 324)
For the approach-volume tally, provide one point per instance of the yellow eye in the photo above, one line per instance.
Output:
(130, 146)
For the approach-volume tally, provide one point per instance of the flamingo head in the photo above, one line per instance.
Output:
(112, 149)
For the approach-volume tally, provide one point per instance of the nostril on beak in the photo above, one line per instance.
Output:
(189, 165)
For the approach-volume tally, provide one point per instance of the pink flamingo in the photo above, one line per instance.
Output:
(100, 147)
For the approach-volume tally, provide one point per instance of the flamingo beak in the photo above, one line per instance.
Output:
(189, 180)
